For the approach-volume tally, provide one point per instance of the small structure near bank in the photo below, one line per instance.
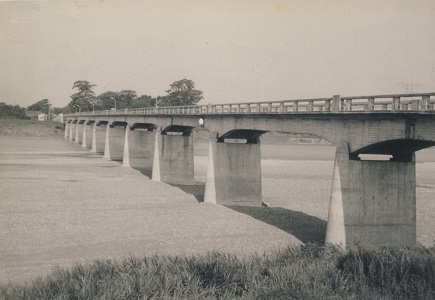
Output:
(42, 117)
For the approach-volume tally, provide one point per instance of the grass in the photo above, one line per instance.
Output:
(17, 127)
(306, 272)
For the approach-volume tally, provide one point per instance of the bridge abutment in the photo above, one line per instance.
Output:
(372, 202)
(234, 174)
(114, 145)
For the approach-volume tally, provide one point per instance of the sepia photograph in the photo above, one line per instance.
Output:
(242, 149)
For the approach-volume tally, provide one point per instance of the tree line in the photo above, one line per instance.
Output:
(12, 111)
(180, 93)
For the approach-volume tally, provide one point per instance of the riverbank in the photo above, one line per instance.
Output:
(29, 128)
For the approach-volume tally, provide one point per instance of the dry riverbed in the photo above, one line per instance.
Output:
(62, 205)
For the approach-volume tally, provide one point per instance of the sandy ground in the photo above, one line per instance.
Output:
(62, 205)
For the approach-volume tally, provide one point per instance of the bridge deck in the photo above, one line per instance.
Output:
(409, 103)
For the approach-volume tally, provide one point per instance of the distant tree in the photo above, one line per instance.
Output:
(84, 98)
(43, 105)
(105, 101)
(58, 110)
(12, 112)
(144, 101)
(182, 92)
(125, 99)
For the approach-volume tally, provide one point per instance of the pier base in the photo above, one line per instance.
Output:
(114, 145)
(139, 149)
(372, 202)
(234, 174)
(175, 159)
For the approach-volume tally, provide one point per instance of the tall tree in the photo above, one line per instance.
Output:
(84, 98)
(43, 105)
(182, 92)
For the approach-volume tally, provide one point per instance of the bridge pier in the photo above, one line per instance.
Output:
(87, 135)
(173, 160)
(138, 149)
(234, 174)
(98, 138)
(372, 202)
(67, 125)
(114, 145)
(79, 133)
(72, 131)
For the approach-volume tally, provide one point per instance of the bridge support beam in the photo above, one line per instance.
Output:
(173, 159)
(139, 149)
(114, 145)
(234, 174)
(372, 202)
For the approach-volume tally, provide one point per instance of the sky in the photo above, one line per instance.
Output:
(234, 51)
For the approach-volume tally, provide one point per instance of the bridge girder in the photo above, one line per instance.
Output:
(361, 131)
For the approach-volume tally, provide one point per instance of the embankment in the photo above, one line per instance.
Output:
(16, 127)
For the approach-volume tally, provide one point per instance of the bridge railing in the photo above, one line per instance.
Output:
(335, 104)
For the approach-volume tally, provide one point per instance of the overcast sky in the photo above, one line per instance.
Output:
(234, 51)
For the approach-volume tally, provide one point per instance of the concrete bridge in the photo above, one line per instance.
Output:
(371, 201)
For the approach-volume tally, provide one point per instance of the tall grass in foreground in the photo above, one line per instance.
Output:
(305, 272)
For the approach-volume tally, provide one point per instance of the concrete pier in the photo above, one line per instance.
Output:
(114, 144)
(139, 149)
(67, 125)
(175, 159)
(79, 132)
(87, 134)
(98, 138)
(372, 202)
(234, 174)
(72, 131)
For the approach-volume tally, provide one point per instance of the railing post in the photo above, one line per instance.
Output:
(396, 103)
(348, 105)
(371, 104)
(295, 106)
(310, 106)
(327, 105)
(425, 102)
(336, 103)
